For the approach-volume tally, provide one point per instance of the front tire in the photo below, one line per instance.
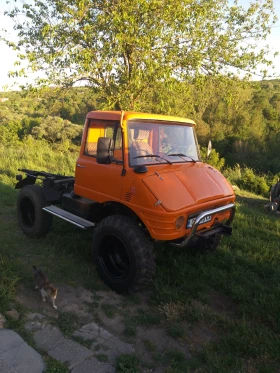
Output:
(34, 221)
(123, 254)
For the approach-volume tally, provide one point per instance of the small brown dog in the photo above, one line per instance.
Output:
(42, 283)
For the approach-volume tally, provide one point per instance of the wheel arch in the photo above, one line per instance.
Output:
(117, 208)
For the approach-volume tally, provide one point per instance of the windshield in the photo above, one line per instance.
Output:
(154, 142)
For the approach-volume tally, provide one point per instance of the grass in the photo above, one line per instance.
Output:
(54, 366)
(67, 323)
(109, 310)
(82, 341)
(142, 318)
(127, 364)
(9, 277)
(150, 345)
(175, 331)
(245, 269)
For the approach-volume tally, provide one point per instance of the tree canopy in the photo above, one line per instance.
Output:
(122, 48)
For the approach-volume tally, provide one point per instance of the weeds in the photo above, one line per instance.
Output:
(175, 331)
(67, 323)
(128, 364)
(109, 310)
(82, 341)
(9, 277)
(54, 366)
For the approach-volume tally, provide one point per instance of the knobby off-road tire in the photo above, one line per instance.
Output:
(206, 245)
(123, 254)
(34, 221)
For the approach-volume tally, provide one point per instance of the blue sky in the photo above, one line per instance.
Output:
(8, 56)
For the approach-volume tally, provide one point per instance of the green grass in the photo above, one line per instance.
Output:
(67, 323)
(109, 310)
(10, 273)
(150, 345)
(175, 331)
(127, 364)
(82, 341)
(245, 269)
(142, 318)
(54, 366)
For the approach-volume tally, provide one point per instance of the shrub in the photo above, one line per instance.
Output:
(214, 158)
(248, 179)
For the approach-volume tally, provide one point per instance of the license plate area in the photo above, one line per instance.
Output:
(192, 220)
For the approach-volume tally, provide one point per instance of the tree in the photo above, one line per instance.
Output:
(55, 129)
(122, 47)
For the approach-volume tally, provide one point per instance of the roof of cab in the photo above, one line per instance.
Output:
(116, 115)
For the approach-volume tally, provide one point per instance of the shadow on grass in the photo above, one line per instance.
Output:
(251, 201)
(7, 196)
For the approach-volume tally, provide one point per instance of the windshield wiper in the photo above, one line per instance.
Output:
(152, 156)
(181, 155)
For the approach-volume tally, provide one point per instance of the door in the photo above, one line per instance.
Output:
(100, 182)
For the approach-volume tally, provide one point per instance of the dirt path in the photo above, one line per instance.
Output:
(97, 328)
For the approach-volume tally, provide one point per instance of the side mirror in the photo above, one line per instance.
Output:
(103, 154)
(209, 148)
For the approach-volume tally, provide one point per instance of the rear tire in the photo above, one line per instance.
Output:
(123, 254)
(34, 221)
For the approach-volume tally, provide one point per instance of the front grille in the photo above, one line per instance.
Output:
(128, 196)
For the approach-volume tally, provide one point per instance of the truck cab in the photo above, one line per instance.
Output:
(151, 165)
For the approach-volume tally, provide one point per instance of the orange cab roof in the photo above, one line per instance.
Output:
(116, 115)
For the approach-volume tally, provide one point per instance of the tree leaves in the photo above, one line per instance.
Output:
(124, 47)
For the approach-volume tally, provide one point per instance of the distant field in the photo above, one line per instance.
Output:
(234, 293)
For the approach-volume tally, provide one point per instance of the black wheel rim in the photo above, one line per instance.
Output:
(113, 257)
(27, 212)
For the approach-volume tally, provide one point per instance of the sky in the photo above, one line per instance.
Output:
(8, 56)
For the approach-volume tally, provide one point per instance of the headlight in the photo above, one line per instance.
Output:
(180, 223)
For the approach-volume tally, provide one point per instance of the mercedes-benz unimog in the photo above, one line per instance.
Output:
(139, 179)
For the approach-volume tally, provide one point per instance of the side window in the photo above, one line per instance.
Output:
(98, 129)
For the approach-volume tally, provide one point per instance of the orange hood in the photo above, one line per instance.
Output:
(192, 184)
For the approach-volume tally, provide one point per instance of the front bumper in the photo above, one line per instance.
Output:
(221, 228)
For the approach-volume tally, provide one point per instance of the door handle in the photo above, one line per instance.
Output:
(79, 165)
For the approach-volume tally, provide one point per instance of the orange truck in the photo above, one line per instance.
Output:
(139, 179)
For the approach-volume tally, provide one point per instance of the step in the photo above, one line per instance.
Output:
(67, 216)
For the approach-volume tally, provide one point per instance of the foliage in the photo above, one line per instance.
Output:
(67, 322)
(213, 159)
(253, 183)
(34, 154)
(248, 179)
(55, 366)
(122, 48)
(8, 280)
(229, 112)
(127, 364)
(54, 129)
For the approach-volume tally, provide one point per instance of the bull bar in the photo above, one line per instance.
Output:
(222, 229)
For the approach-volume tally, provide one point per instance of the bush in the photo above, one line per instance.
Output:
(246, 178)
(214, 158)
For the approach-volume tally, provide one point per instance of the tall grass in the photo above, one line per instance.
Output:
(250, 180)
(9, 277)
(36, 155)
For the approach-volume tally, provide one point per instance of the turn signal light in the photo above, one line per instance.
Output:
(180, 223)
